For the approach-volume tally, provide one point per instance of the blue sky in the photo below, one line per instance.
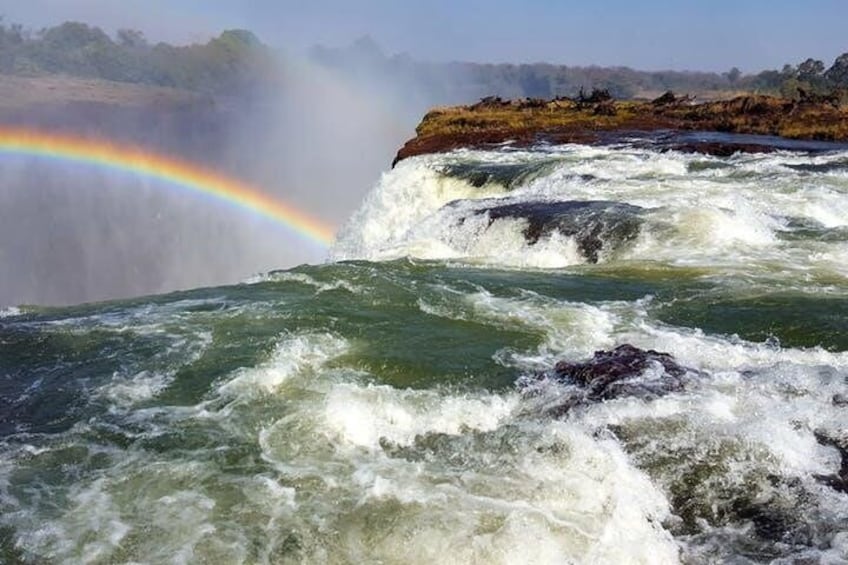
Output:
(647, 34)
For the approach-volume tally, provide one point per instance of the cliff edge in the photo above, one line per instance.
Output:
(598, 118)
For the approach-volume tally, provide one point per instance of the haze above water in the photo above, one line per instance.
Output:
(72, 234)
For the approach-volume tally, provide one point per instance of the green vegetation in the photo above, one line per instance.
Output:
(236, 60)
(525, 121)
(230, 62)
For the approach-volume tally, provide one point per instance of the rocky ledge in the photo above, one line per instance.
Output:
(597, 118)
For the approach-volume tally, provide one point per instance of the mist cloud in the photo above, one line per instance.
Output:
(74, 233)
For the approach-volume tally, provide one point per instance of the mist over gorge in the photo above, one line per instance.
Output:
(74, 233)
(314, 131)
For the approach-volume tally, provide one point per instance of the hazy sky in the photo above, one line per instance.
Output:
(648, 34)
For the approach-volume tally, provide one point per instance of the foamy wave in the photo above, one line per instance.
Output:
(470, 479)
(404, 196)
(296, 355)
(704, 211)
(364, 417)
(303, 278)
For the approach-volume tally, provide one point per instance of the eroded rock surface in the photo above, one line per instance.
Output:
(624, 371)
(597, 119)
(597, 225)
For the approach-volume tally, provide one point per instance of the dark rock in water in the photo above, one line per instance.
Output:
(771, 522)
(836, 166)
(508, 175)
(605, 374)
(840, 400)
(624, 361)
(595, 224)
(719, 149)
(624, 371)
(839, 480)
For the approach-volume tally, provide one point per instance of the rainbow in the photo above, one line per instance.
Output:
(174, 172)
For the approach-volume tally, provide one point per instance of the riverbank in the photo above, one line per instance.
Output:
(599, 119)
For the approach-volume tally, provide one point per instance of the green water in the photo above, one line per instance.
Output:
(372, 411)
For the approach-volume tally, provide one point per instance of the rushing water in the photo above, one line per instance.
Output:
(369, 410)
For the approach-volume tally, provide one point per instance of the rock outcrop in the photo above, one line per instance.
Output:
(595, 118)
(596, 225)
(624, 371)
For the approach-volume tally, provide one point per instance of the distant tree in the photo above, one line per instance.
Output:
(74, 36)
(811, 75)
(11, 40)
(131, 39)
(810, 69)
(78, 49)
(366, 50)
(768, 80)
(792, 87)
(733, 75)
(837, 74)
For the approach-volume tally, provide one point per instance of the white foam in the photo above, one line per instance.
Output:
(493, 488)
(560, 497)
(140, 387)
(418, 476)
(306, 457)
(92, 528)
(716, 353)
(363, 416)
(125, 391)
(709, 217)
(294, 355)
(569, 328)
(303, 278)
(409, 193)
(476, 241)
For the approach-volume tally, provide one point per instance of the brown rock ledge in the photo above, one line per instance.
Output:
(598, 120)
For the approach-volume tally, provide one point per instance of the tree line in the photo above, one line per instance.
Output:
(809, 76)
(230, 62)
(237, 59)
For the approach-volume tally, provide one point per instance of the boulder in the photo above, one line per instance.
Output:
(624, 371)
(596, 225)
(839, 480)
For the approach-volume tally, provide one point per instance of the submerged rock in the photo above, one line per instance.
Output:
(719, 148)
(839, 480)
(818, 168)
(596, 225)
(624, 371)
(508, 175)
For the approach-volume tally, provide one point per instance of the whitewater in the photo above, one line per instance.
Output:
(397, 403)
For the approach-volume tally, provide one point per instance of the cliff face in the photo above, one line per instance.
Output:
(598, 118)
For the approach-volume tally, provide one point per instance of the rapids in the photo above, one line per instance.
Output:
(371, 409)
